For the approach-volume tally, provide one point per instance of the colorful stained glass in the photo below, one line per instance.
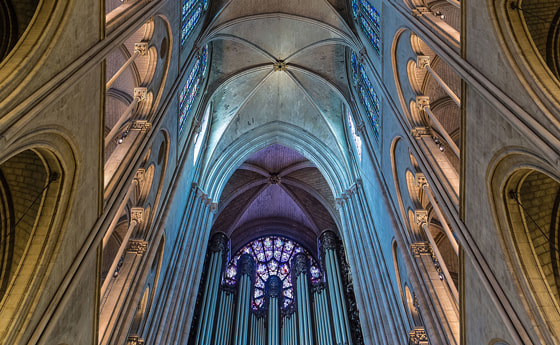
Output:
(355, 8)
(372, 35)
(189, 22)
(372, 14)
(190, 90)
(354, 63)
(272, 255)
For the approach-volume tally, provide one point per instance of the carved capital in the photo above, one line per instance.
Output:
(299, 264)
(218, 242)
(420, 179)
(420, 131)
(420, 11)
(134, 340)
(137, 214)
(422, 61)
(420, 217)
(418, 336)
(141, 48)
(140, 125)
(137, 246)
(421, 248)
(274, 287)
(280, 65)
(139, 176)
(422, 102)
(245, 265)
(141, 93)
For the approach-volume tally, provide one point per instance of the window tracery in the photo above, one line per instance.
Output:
(190, 90)
(190, 15)
(367, 94)
(273, 255)
(370, 21)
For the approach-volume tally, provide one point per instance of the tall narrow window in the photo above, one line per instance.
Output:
(355, 137)
(190, 90)
(370, 21)
(190, 15)
(367, 94)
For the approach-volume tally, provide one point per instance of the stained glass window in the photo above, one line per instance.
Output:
(370, 21)
(272, 255)
(190, 15)
(190, 90)
(367, 94)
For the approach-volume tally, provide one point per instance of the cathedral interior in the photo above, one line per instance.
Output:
(279, 172)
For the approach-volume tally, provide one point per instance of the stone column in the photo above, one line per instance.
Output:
(299, 272)
(274, 292)
(329, 246)
(216, 252)
(245, 273)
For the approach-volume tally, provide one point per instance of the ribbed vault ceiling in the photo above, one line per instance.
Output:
(274, 63)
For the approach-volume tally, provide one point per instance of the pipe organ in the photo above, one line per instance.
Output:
(272, 292)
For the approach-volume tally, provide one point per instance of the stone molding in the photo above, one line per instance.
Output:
(421, 248)
(418, 336)
(134, 340)
(137, 214)
(137, 246)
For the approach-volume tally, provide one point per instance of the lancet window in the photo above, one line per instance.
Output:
(190, 90)
(190, 15)
(367, 94)
(354, 133)
(370, 21)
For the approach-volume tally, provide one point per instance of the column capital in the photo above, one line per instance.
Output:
(419, 11)
(134, 340)
(139, 176)
(421, 248)
(140, 125)
(137, 214)
(141, 48)
(137, 246)
(422, 102)
(141, 93)
(420, 217)
(245, 265)
(299, 264)
(422, 61)
(420, 179)
(418, 336)
(418, 132)
(218, 242)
